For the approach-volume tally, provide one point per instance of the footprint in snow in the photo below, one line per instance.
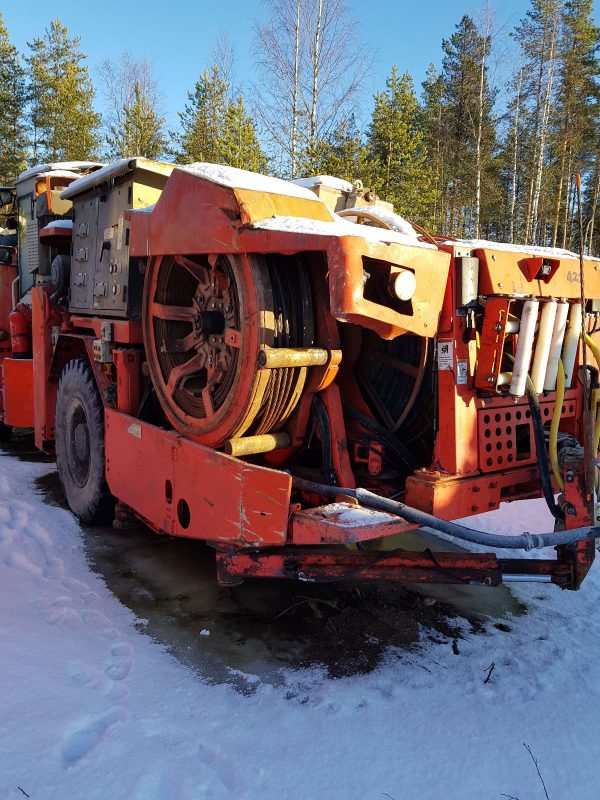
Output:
(75, 585)
(7, 533)
(120, 662)
(87, 735)
(85, 674)
(54, 568)
(95, 619)
(19, 561)
(58, 612)
(221, 764)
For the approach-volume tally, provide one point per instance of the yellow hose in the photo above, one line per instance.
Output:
(553, 446)
(594, 348)
(596, 351)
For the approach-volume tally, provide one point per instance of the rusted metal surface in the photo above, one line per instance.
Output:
(185, 489)
(128, 368)
(307, 565)
(454, 496)
(123, 331)
(343, 523)
(579, 511)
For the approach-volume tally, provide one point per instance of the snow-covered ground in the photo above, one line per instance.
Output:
(93, 708)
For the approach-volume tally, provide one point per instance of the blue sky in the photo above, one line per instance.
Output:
(178, 35)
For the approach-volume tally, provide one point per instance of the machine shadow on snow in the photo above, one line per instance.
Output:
(238, 635)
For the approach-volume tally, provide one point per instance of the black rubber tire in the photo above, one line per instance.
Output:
(79, 439)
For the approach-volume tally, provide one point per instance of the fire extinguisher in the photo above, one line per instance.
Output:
(19, 322)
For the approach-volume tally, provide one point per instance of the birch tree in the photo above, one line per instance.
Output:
(310, 69)
(124, 83)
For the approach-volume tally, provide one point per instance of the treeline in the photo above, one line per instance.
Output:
(488, 146)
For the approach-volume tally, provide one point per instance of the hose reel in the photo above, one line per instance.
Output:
(207, 320)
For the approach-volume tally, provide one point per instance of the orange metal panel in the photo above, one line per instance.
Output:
(343, 523)
(346, 286)
(185, 489)
(492, 343)
(18, 392)
(128, 365)
(219, 228)
(452, 497)
(505, 272)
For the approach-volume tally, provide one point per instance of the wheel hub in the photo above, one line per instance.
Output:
(81, 441)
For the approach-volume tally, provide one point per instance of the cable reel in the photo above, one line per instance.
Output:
(206, 320)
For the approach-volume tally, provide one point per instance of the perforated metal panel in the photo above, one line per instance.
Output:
(505, 433)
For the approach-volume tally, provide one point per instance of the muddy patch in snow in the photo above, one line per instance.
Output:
(249, 633)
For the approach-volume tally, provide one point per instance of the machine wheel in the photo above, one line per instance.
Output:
(79, 432)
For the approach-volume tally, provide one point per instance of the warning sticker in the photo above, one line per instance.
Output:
(445, 354)
(462, 371)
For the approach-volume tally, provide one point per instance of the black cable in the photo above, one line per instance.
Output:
(383, 436)
(540, 446)
(322, 421)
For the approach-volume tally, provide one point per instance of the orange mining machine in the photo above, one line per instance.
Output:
(291, 372)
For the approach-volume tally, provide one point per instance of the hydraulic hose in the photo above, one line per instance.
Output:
(553, 442)
(524, 541)
(540, 446)
(596, 351)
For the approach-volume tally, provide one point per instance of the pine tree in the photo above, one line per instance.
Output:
(142, 133)
(119, 80)
(433, 136)
(575, 122)
(202, 121)
(64, 123)
(344, 155)
(400, 169)
(239, 145)
(13, 139)
(468, 131)
(217, 128)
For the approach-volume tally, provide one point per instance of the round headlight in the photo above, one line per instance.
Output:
(405, 285)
